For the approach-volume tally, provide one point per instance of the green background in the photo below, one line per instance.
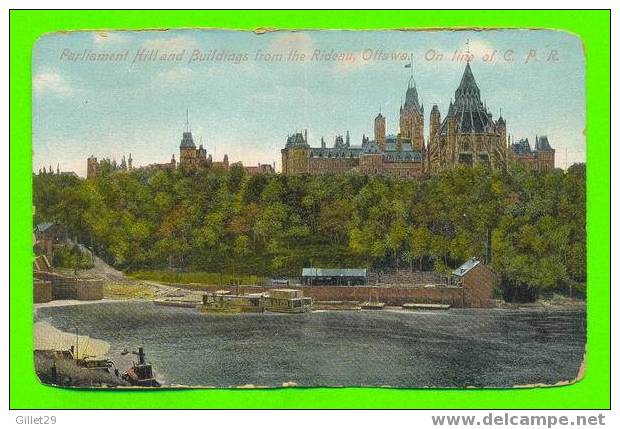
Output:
(592, 392)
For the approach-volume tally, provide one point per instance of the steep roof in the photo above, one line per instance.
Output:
(412, 104)
(542, 143)
(521, 147)
(44, 226)
(188, 141)
(470, 113)
(296, 140)
(466, 267)
(333, 272)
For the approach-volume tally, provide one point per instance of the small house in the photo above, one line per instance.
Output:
(478, 281)
(48, 236)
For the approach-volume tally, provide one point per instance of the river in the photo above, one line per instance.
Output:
(454, 348)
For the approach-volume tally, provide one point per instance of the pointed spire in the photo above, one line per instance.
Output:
(187, 120)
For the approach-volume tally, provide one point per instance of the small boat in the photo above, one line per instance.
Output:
(372, 305)
(141, 373)
(336, 305)
(176, 303)
(63, 368)
(415, 306)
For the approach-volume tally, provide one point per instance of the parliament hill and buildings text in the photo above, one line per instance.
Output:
(468, 134)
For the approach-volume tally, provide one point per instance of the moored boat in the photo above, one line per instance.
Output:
(372, 305)
(141, 373)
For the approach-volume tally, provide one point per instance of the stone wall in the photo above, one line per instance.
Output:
(406, 277)
(451, 295)
(42, 291)
(66, 287)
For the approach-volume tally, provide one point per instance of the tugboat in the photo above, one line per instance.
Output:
(140, 374)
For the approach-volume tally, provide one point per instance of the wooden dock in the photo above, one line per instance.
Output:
(176, 303)
(414, 306)
(368, 305)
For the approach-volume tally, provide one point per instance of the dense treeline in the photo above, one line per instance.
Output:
(274, 225)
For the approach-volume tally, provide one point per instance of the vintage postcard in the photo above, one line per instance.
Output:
(219, 208)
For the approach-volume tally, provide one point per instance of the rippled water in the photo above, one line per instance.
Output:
(455, 348)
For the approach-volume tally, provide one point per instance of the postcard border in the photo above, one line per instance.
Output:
(593, 392)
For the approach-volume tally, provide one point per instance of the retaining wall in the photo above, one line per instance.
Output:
(66, 287)
(42, 291)
(456, 296)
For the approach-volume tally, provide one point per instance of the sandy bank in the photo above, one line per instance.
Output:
(47, 337)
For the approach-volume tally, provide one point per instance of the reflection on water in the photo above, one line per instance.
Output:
(455, 348)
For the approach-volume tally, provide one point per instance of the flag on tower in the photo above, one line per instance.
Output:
(408, 66)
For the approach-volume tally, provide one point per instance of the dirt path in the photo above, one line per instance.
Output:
(106, 272)
(119, 286)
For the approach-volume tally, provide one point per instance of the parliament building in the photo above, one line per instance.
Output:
(468, 134)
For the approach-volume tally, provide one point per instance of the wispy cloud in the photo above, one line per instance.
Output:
(104, 38)
(281, 95)
(175, 76)
(286, 41)
(171, 44)
(51, 83)
(479, 48)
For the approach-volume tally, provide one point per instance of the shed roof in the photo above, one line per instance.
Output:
(466, 267)
(333, 272)
(44, 226)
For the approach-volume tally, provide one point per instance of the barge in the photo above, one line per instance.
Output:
(287, 301)
(222, 301)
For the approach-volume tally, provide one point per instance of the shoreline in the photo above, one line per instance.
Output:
(575, 305)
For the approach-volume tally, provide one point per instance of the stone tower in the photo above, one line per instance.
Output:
(503, 142)
(380, 131)
(187, 156)
(412, 118)
(295, 155)
(545, 154)
(451, 134)
(92, 167)
(434, 150)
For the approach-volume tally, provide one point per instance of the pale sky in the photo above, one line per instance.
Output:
(246, 104)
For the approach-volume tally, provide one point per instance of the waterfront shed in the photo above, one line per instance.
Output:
(334, 276)
(479, 282)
